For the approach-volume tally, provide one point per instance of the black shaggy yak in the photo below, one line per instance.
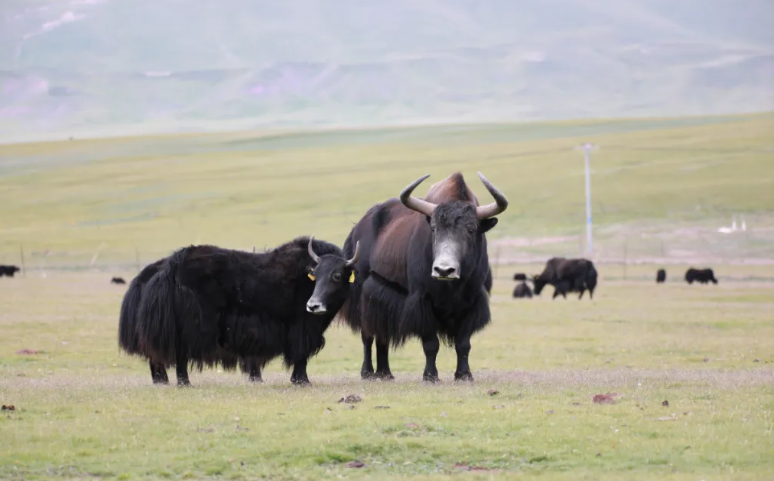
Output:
(567, 275)
(205, 306)
(701, 276)
(117, 280)
(660, 276)
(8, 271)
(522, 290)
(424, 272)
(129, 341)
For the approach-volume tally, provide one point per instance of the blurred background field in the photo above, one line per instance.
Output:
(661, 188)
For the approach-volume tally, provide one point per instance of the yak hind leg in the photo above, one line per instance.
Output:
(254, 370)
(299, 376)
(182, 370)
(367, 371)
(383, 361)
(158, 373)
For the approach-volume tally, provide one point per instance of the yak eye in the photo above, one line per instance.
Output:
(336, 277)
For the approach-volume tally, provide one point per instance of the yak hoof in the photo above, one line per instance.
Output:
(301, 382)
(431, 378)
(367, 375)
(162, 382)
(255, 379)
(184, 383)
(463, 376)
(385, 376)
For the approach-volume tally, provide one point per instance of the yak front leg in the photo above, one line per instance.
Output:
(299, 376)
(367, 371)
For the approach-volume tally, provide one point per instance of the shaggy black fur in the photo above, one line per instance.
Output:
(701, 276)
(395, 298)
(129, 341)
(567, 275)
(206, 306)
(660, 276)
(8, 271)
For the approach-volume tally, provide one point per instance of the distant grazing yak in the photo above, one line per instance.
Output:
(423, 272)
(520, 276)
(117, 280)
(8, 270)
(522, 290)
(660, 276)
(208, 305)
(701, 276)
(567, 275)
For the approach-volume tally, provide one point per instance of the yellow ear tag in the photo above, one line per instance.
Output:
(311, 276)
(352, 277)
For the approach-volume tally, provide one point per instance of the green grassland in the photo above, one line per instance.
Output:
(86, 411)
(154, 194)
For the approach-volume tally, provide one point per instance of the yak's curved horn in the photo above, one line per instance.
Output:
(314, 256)
(497, 207)
(419, 205)
(355, 256)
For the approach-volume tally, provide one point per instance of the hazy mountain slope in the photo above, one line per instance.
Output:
(86, 65)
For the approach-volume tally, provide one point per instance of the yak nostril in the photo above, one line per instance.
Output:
(444, 271)
(312, 307)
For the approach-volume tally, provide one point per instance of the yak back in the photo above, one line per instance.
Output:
(269, 282)
(558, 268)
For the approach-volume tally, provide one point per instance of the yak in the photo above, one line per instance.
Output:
(701, 276)
(567, 275)
(206, 305)
(129, 341)
(424, 272)
(522, 290)
(117, 280)
(8, 270)
(660, 276)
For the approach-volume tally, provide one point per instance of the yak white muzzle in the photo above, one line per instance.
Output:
(446, 265)
(315, 307)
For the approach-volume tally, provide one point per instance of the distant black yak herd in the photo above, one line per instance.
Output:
(410, 268)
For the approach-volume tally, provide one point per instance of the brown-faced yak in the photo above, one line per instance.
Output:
(423, 272)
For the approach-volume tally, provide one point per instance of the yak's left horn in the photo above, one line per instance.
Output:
(497, 207)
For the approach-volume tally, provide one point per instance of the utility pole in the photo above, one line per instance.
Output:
(587, 148)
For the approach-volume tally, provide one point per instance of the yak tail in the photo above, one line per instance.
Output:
(127, 322)
(165, 308)
(591, 280)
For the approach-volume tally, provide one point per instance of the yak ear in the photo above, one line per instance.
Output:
(488, 224)
(428, 219)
